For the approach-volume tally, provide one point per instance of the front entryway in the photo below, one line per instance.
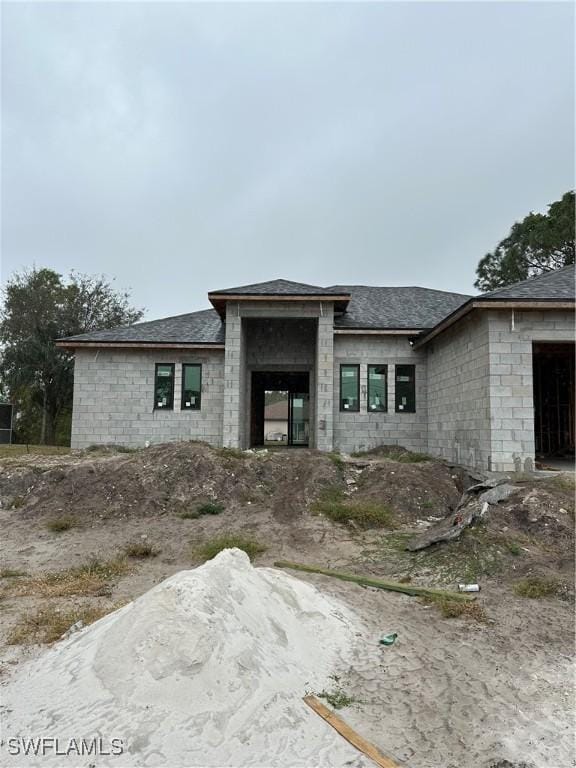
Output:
(280, 408)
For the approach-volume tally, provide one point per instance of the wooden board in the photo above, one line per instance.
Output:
(350, 734)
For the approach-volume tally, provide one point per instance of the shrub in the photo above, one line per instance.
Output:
(212, 547)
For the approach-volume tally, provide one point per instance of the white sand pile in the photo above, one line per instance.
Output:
(206, 669)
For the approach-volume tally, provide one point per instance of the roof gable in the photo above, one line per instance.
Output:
(277, 288)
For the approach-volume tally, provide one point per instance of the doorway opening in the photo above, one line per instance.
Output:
(280, 409)
(553, 368)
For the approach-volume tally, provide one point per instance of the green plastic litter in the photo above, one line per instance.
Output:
(388, 639)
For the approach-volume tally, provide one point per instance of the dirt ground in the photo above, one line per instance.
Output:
(450, 693)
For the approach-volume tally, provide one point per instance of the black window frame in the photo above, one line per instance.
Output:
(396, 393)
(357, 367)
(164, 407)
(195, 407)
(384, 408)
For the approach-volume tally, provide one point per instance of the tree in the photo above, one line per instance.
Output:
(39, 306)
(540, 243)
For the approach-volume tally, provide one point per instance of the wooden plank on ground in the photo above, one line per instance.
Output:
(350, 734)
(365, 581)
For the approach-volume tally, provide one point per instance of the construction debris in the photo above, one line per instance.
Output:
(472, 506)
(350, 734)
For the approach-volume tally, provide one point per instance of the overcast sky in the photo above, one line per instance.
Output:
(181, 147)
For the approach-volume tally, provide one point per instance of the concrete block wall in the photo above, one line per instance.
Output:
(511, 337)
(114, 398)
(364, 430)
(459, 393)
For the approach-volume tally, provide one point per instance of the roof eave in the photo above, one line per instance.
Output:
(218, 300)
(493, 303)
(70, 344)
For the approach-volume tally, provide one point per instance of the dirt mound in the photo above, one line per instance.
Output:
(172, 477)
(411, 490)
(166, 478)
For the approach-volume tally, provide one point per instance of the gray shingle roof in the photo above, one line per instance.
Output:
(399, 308)
(278, 288)
(557, 285)
(369, 307)
(204, 327)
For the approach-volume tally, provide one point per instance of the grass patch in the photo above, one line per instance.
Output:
(61, 524)
(456, 609)
(231, 453)
(212, 547)
(208, 508)
(49, 624)
(565, 483)
(337, 460)
(12, 451)
(11, 573)
(535, 587)
(337, 698)
(395, 453)
(110, 448)
(514, 548)
(364, 514)
(89, 579)
(140, 550)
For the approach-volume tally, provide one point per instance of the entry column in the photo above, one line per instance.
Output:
(325, 378)
(233, 377)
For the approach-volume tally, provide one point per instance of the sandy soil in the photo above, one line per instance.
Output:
(450, 693)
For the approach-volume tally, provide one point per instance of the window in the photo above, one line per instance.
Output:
(191, 387)
(377, 388)
(405, 389)
(349, 387)
(164, 386)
